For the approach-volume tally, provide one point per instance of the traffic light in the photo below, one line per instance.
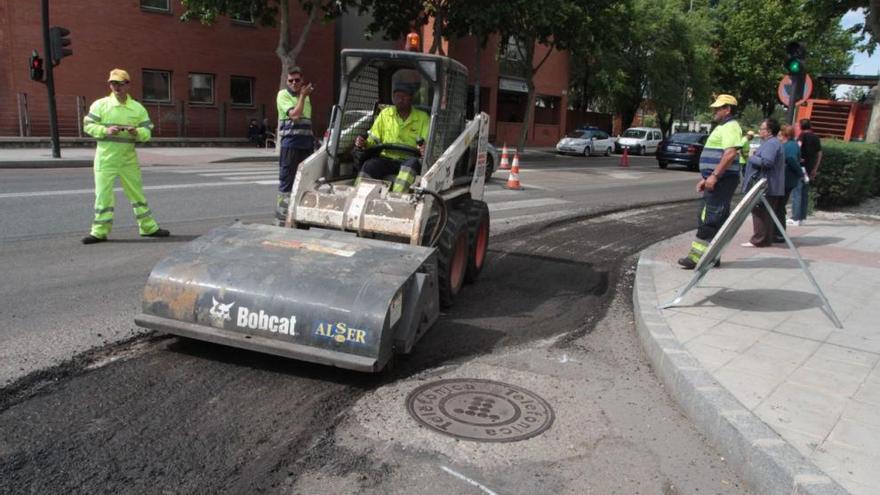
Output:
(36, 67)
(59, 42)
(794, 60)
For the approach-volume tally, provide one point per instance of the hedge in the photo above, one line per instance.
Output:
(849, 173)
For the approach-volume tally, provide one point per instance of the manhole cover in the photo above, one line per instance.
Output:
(480, 410)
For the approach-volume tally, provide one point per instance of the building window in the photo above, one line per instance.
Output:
(201, 89)
(547, 109)
(243, 18)
(512, 106)
(242, 91)
(157, 86)
(156, 5)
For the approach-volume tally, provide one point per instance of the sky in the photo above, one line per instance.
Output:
(862, 63)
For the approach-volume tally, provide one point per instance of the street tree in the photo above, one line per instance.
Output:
(524, 24)
(750, 46)
(268, 13)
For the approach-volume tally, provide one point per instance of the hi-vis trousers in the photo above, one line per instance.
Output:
(130, 178)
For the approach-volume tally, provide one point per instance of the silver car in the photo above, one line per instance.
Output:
(586, 142)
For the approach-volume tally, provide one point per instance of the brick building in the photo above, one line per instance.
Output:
(195, 80)
(504, 93)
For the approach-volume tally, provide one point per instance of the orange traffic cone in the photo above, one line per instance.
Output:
(624, 159)
(513, 178)
(504, 164)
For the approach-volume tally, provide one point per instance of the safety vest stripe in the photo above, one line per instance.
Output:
(139, 205)
(295, 132)
(146, 123)
(144, 215)
(101, 211)
(711, 157)
(101, 222)
(94, 118)
(116, 139)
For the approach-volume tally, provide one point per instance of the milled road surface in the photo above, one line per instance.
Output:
(165, 415)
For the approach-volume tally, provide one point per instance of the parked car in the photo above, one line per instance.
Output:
(639, 140)
(683, 148)
(590, 141)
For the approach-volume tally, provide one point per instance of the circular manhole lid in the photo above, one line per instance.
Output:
(480, 410)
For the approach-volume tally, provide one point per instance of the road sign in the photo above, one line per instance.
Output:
(785, 87)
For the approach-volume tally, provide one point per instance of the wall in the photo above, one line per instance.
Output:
(119, 34)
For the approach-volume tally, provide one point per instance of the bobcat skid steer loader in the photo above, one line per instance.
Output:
(357, 273)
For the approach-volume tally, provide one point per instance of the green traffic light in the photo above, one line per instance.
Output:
(794, 66)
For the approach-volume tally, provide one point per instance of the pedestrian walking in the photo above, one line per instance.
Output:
(767, 162)
(811, 158)
(719, 176)
(117, 122)
(295, 132)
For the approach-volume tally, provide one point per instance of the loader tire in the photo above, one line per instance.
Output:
(452, 257)
(478, 235)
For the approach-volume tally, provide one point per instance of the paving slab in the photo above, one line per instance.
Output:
(758, 329)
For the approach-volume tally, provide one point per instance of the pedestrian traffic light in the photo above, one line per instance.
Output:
(794, 60)
(59, 42)
(36, 67)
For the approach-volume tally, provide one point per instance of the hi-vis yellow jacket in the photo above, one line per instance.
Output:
(117, 150)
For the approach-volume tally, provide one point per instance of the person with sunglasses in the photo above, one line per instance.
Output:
(117, 122)
(295, 133)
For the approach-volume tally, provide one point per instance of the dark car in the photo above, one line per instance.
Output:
(683, 148)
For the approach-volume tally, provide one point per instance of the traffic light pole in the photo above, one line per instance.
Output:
(798, 81)
(50, 83)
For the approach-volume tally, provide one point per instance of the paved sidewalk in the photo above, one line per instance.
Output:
(761, 370)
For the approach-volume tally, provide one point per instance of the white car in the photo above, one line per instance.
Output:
(639, 140)
(586, 142)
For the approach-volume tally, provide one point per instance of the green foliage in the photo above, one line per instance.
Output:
(849, 173)
(751, 39)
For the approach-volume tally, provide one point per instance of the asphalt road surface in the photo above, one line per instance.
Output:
(128, 412)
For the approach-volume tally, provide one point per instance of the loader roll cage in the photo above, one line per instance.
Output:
(368, 78)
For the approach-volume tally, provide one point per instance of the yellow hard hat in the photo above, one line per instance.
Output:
(722, 100)
(118, 75)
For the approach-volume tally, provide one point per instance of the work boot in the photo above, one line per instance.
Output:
(90, 239)
(158, 233)
(687, 263)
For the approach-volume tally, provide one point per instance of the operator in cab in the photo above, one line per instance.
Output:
(399, 124)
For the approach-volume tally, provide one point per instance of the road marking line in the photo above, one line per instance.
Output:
(68, 192)
(468, 480)
(526, 203)
(253, 177)
(248, 172)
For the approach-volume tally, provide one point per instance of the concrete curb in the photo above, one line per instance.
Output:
(767, 463)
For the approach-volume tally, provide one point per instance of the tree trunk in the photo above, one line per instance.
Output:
(530, 108)
(873, 134)
(477, 65)
(285, 53)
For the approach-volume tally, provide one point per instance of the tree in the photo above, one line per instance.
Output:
(267, 13)
(658, 52)
(553, 24)
(750, 47)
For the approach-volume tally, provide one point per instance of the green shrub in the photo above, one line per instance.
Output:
(849, 173)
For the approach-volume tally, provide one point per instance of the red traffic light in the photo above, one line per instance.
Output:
(36, 68)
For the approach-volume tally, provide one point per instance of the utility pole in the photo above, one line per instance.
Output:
(50, 83)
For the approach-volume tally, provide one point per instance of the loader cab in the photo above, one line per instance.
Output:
(368, 79)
